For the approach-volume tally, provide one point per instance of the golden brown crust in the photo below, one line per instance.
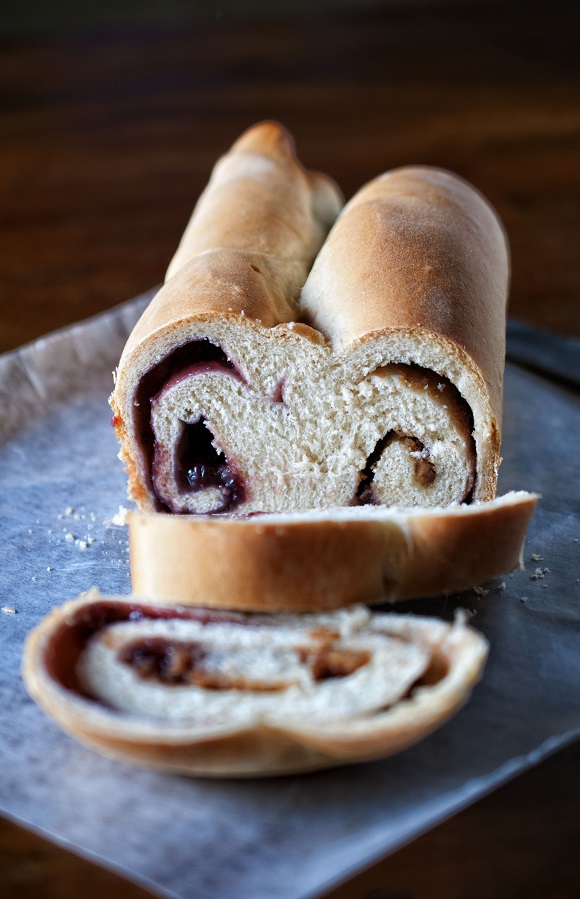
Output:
(457, 551)
(300, 563)
(261, 748)
(417, 248)
(256, 566)
(263, 212)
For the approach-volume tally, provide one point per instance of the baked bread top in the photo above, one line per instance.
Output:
(250, 243)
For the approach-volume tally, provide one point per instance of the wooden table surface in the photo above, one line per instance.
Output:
(107, 138)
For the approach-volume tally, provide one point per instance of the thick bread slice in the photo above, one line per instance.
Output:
(223, 694)
(327, 559)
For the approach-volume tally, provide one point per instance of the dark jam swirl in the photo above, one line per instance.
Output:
(198, 464)
(177, 663)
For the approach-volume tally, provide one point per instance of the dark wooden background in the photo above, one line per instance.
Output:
(107, 135)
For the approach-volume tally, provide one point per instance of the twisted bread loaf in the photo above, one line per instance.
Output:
(222, 694)
(381, 384)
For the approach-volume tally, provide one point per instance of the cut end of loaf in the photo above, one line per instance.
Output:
(396, 396)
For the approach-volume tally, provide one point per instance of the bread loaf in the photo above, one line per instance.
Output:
(257, 382)
(379, 383)
(222, 694)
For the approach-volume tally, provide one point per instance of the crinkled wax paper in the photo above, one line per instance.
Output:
(60, 485)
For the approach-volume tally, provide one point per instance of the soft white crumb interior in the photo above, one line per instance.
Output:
(274, 657)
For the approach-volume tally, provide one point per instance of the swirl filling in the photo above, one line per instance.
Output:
(226, 667)
(194, 463)
(405, 469)
(214, 443)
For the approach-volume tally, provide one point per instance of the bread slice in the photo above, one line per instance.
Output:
(316, 561)
(380, 384)
(223, 694)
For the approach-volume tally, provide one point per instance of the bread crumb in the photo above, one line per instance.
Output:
(479, 591)
(69, 537)
(120, 517)
(501, 587)
(82, 544)
(523, 598)
(535, 557)
(69, 510)
(8, 610)
(538, 573)
(48, 568)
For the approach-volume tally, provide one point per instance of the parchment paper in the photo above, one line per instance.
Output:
(289, 837)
